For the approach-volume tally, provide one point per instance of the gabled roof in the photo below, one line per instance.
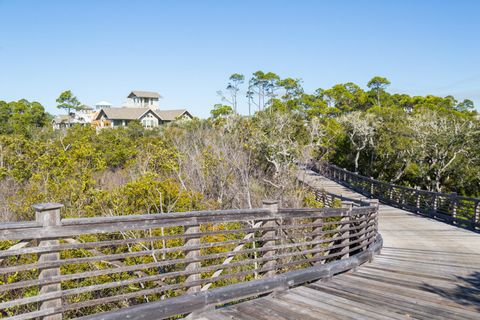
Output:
(137, 113)
(144, 94)
(124, 113)
(69, 119)
(170, 115)
(61, 119)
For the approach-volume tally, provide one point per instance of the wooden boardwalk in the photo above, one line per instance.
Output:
(427, 270)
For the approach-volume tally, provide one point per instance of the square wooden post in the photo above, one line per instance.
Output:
(344, 230)
(272, 206)
(193, 254)
(362, 227)
(373, 229)
(371, 187)
(435, 206)
(453, 206)
(48, 215)
(417, 203)
(319, 236)
(476, 215)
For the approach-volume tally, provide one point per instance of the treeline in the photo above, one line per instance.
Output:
(427, 142)
(267, 90)
(22, 117)
(233, 161)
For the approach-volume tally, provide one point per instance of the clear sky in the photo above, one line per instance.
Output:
(186, 50)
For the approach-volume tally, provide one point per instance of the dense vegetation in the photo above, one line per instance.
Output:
(428, 142)
(190, 166)
(231, 161)
(226, 161)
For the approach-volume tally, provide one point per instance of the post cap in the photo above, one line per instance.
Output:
(269, 202)
(347, 204)
(39, 207)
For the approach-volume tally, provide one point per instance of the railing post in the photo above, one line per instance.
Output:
(272, 206)
(344, 230)
(371, 187)
(193, 254)
(417, 203)
(435, 206)
(476, 215)
(48, 215)
(453, 203)
(373, 230)
(363, 226)
(319, 234)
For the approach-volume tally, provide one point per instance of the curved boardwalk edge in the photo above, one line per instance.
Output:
(426, 270)
(201, 300)
(167, 259)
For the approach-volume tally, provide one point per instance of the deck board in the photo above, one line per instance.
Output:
(427, 270)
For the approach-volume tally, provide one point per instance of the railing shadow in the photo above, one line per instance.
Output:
(466, 292)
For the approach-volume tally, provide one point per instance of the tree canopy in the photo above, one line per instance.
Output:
(68, 101)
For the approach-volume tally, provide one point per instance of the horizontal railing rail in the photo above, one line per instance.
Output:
(110, 267)
(447, 207)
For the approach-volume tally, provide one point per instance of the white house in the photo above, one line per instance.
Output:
(149, 118)
(82, 117)
(142, 106)
(143, 99)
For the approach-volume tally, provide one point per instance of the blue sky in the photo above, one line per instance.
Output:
(186, 50)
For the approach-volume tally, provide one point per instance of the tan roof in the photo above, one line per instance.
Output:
(170, 115)
(136, 113)
(61, 119)
(124, 113)
(144, 94)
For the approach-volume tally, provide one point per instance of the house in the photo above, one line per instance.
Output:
(143, 99)
(148, 117)
(81, 117)
(174, 115)
(142, 106)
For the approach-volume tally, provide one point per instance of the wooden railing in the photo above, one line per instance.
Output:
(448, 207)
(110, 267)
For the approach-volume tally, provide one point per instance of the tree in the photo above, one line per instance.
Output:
(446, 144)
(249, 96)
(360, 129)
(221, 111)
(233, 86)
(378, 86)
(21, 117)
(264, 86)
(345, 97)
(68, 101)
(293, 88)
(465, 106)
